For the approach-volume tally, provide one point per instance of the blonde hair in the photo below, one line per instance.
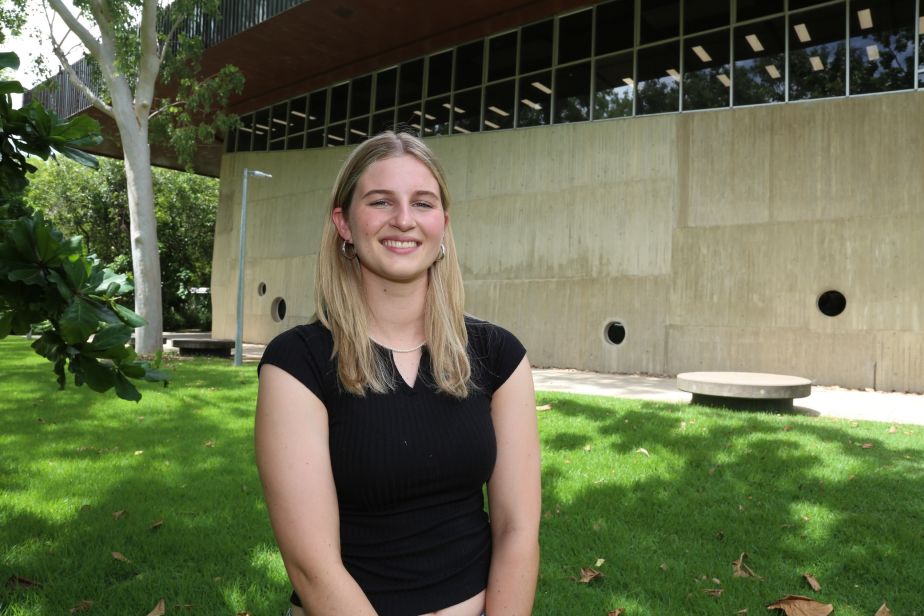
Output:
(341, 302)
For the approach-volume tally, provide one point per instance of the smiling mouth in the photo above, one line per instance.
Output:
(399, 244)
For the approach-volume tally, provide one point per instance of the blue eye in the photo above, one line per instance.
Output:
(423, 204)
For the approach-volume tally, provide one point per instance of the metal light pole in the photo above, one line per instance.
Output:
(239, 337)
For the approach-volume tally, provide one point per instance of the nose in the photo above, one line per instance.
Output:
(403, 216)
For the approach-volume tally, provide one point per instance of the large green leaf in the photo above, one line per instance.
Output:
(134, 370)
(98, 377)
(6, 322)
(9, 59)
(63, 288)
(80, 319)
(48, 345)
(115, 335)
(79, 156)
(77, 272)
(129, 317)
(11, 87)
(31, 275)
(125, 389)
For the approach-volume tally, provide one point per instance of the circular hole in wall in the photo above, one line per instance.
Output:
(615, 332)
(261, 289)
(832, 303)
(278, 309)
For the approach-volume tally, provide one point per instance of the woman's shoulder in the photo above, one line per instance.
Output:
(306, 342)
(313, 333)
(484, 332)
(494, 351)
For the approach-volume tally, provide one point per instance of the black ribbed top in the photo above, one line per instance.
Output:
(409, 467)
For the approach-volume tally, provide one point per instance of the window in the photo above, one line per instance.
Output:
(317, 109)
(535, 99)
(499, 105)
(536, 47)
(659, 20)
(338, 102)
(574, 36)
(469, 63)
(410, 81)
(466, 111)
(706, 74)
(439, 74)
(881, 45)
(816, 53)
(615, 28)
(613, 86)
(572, 93)
(360, 96)
(436, 116)
(699, 15)
(760, 62)
(659, 79)
(261, 121)
(502, 56)
(385, 86)
(753, 9)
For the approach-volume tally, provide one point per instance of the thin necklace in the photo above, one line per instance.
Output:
(388, 348)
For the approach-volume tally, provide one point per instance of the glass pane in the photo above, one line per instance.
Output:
(278, 121)
(760, 62)
(658, 79)
(436, 116)
(245, 134)
(498, 105)
(921, 45)
(502, 56)
(574, 36)
(881, 45)
(699, 15)
(613, 87)
(660, 19)
(615, 26)
(439, 75)
(385, 84)
(536, 47)
(317, 107)
(409, 119)
(706, 82)
(382, 121)
(336, 134)
(295, 142)
(297, 114)
(467, 111)
(572, 93)
(816, 53)
(261, 121)
(314, 139)
(360, 96)
(278, 144)
(535, 100)
(338, 102)
(358, 130)
(801, 4)
(752, 9)
(469, 63)
(410, 81)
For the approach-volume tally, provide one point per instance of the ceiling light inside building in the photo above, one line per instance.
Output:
(773, 71)
(299, 114)
(530, 103)
(872, 52)
(459, 129)
(541, 87)
(279, 121)
(673, 73)
(311, 117)
(754, 42)
(429, 117)
(263, 126)
(498, 111)
(417, 112)
(866, 19)
(702, 54)
(334, 137)
(459, 110)
(417, 126)
(725, 80)
(245, 129)
(491, 124)
(802, 33)
(628, 81)
(816, 63)
(357, 132)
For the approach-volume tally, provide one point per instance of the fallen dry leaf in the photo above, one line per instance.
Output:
(867, 445)
(716, 581)
(17, 581)
(544, 407)
(883, 611)
(599, 562)
(209, 443)
(245, 613)
(118, 514)
(159, 610)
(643, 450)
(739, 569)
(120, 556)
(797, 605)
(892, 430)
(588, 575)
(812, 581)
(744, 611)
(83, 606)
(787, 428)
(139, 452)
(713, 592)
(619, 611)
(663, 566)
(157, 524)
(587, 447)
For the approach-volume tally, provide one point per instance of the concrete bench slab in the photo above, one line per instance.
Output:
(744, 389)
(203, 346)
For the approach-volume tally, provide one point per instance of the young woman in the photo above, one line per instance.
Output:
(379, 423)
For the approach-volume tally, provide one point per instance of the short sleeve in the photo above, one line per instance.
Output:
(300, 351)
(497, 352)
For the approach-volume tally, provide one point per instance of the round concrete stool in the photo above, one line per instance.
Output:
(744, 389)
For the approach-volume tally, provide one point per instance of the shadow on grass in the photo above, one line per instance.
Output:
(670, 495)
(170, 483)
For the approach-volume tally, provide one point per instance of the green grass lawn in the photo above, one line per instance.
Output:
(842, 500)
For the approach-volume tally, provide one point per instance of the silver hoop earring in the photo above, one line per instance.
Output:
(442, 254)
(349, 255)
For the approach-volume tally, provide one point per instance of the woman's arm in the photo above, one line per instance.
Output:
(294, 462)
(514, 498)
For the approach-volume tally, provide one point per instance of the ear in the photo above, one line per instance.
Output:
(445, 218)
(340, 222)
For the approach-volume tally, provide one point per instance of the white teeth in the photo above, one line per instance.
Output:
(397, 244)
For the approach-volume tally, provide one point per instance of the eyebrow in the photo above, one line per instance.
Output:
(385, 191)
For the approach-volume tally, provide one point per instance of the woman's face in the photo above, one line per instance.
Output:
(396, 219)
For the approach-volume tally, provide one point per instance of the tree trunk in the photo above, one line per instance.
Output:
(143, 233)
